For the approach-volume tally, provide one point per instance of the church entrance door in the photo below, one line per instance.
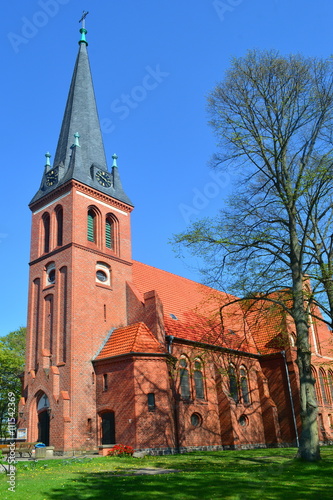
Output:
(44, 427)
(108, 428)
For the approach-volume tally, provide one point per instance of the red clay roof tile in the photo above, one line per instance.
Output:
(130, 339)
(197, 309)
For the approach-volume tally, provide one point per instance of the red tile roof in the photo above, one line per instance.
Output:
(192, 312)
(130, 339)
(197, 309)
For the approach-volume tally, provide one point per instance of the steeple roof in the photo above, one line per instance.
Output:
(80, 151)
(81, 116)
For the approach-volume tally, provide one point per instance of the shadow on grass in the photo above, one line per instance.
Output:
(239, 480)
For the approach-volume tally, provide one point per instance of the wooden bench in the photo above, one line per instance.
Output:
(20, 448)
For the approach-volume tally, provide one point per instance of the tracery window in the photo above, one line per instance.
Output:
(233, 389)
(323, 385)
(198, 380)
(185, 390)
(330, 385)
(316, 392)
(244, 386)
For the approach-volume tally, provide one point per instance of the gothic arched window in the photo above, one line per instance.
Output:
(91, 225)
(244, 386)
(109, 232)
(323, 384)
(233, 389)
(314, 376)
(184, 378)
(198, 380)
(330, 384)
(59, 220)
(46, 231)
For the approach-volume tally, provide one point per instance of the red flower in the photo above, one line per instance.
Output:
(119, 450)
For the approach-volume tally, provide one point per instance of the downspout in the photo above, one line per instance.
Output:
(315, 341)
(291, 397)
(169, 339)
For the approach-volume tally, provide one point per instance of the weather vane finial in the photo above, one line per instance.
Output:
(82, 20)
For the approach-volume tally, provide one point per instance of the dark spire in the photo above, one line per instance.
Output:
(81, 120)
(81, 116)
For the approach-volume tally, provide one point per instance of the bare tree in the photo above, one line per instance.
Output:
(273, 119)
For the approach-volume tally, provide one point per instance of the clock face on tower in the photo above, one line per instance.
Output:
(51, 177)
(103, 178)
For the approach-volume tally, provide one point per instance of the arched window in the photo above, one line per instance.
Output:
(233, 389)
(198, 380)
(46, 231)
(314, 376)
(91, 225)
(323, 384)
(60, 221)
(184, 379)
(111, 232)
(109, 235)
(244, 385)
(330, 384)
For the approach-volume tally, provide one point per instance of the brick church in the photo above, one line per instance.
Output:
(121, 352)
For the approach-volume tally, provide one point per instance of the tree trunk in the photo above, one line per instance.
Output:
(309, 441)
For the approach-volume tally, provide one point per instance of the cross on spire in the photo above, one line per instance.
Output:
(83, 18)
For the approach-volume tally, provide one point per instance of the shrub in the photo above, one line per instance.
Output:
(121, 450)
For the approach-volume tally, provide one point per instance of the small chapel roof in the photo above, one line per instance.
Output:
(136, 338)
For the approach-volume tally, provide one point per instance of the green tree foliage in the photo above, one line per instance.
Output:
(273, 119)
(12, 352)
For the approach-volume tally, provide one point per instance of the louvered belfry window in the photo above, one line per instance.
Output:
(109, 233)
(91, 225)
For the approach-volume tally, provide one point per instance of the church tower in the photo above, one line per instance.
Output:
(79, 262)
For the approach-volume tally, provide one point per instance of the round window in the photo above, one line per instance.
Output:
(243, 421)
(101, 275)
(51, 276)
(195, 419)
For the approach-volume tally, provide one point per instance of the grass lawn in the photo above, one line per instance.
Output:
(229, 475)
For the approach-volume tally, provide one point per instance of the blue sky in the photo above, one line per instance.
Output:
(153, 64)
